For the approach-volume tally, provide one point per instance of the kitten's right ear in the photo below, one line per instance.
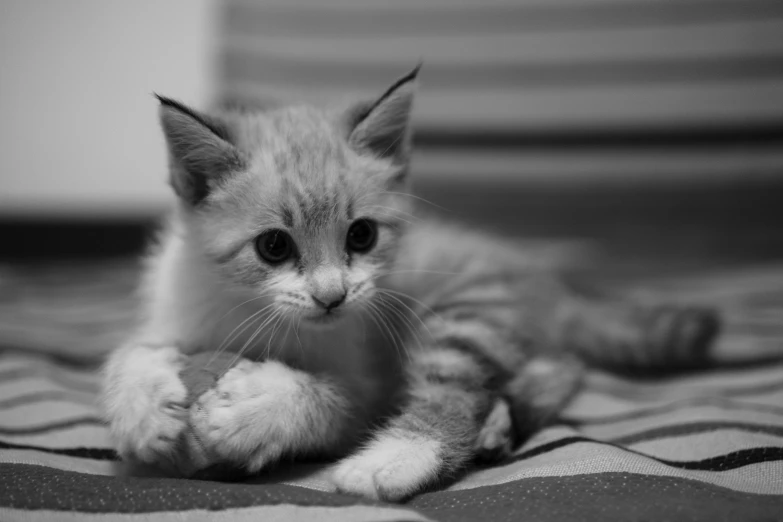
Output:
(382, 127)
(200, 152)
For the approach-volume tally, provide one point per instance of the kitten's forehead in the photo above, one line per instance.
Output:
(300, 139)
(306, 153)
(309, 157)
(302, 173)
(307, 143)
(313, 206)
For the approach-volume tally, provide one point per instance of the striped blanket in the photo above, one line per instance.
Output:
(707, 446)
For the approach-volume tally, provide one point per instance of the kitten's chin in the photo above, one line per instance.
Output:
(327, 320)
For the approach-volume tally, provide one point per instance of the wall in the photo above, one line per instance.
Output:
(521, 92)
(78, 133)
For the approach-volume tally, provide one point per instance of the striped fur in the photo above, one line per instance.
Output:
(448, 343)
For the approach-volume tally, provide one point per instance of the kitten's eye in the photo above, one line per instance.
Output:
(362, 235)
(274, 246)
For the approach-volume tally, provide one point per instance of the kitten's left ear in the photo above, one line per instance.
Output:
(382, 127)
(200, 150)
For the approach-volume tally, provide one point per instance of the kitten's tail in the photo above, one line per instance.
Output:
(638, 338)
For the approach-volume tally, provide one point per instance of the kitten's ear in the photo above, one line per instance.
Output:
(382, 127)
(200, 152)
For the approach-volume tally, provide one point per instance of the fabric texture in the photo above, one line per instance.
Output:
(702, 446)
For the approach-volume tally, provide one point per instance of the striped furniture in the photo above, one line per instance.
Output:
(707, 446)
(537, 91)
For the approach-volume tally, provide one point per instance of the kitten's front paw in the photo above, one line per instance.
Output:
(145, 405)
(245, 419)
(390, 468)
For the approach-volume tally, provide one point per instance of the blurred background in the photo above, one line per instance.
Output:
(652, 128)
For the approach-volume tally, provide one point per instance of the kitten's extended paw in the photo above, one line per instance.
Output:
(496, 439)
(145, 405)
(245, 419)
(390, 468)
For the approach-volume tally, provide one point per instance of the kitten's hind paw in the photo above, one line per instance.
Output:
(683, 335)
(495, 440)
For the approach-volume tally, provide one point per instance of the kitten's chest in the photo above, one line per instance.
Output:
(360, 356)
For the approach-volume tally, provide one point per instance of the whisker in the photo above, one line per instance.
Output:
(385, 293)
(428, 309)
(280, 319)
(405, 322)
(406, 221)
(440, 272)
(371, 311)
(255, 314)
(394, 212)
(394, 336)
(394, 325)
(408, 317)
(239, 305)
(258, 331)
(404, 317)
(284, 342)
(229, 339)
(296, 332)
(397, 193)
(244, 303)
(415, 197)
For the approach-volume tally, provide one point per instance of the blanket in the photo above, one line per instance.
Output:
(702, 446)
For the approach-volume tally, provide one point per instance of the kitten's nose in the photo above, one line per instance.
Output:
(330, 301)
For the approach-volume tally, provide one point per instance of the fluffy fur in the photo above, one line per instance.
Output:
(447, 346)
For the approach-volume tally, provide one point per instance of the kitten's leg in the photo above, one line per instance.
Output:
(625, 336)
(143, 401)
(261, 411)
(434, 435)
(531, 400)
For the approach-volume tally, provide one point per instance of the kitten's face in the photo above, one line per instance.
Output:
(299, 207)
(309, 223)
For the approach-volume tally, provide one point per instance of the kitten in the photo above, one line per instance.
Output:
(409, 345)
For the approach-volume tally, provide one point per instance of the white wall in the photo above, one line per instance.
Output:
(78, 122)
